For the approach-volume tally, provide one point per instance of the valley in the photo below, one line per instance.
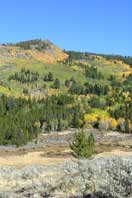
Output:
(65, 122)
(54, 148)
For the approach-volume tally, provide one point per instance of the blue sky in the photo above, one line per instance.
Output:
(102, 26)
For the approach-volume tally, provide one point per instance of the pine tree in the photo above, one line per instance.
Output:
(50, 76)
(56, 84)
(82, 145)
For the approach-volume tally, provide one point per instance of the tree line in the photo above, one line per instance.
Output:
(22, 120)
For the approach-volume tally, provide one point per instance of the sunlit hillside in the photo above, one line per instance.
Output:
(44, 57)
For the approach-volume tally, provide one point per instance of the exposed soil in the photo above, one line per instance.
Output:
(52, 157)
(54, 148)
(31, 158)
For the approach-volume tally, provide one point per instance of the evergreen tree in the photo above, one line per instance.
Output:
(56, 84)
(50, 76)
(82, 145)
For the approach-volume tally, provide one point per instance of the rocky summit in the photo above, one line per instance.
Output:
(108, 177)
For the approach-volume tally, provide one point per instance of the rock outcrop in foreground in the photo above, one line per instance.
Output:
(109, 177)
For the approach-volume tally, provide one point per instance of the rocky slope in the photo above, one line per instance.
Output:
(40, 50)
(103, 177)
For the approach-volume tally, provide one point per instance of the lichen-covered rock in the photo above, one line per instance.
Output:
(109, 177)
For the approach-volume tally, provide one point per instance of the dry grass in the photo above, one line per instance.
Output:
(55, 155)
(31, 158)
(116, 152)
(41, 156)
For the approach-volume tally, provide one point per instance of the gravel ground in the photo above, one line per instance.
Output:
(66, 137)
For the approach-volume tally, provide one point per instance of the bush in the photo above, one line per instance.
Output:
(77, 88)
(25, 91)
(82, 145)
(48, 77)
(56, 84)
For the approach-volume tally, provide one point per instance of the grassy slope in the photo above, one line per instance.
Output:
(10, 62)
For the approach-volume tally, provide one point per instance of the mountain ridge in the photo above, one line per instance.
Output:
(41, 50)
(43, 56)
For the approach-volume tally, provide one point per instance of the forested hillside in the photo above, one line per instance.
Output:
(44, 88)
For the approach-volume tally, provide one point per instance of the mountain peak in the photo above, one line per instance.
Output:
(35, 44)
(38, 49)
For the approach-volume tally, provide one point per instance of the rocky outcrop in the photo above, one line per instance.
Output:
(109, 177)
(39, 50)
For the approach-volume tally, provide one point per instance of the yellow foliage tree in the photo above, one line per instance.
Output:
(91, 119)
(113, 123)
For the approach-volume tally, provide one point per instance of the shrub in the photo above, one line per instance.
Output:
(48, 77)
(82, 145)
(25, 91)
(56, 84)
(77, 88)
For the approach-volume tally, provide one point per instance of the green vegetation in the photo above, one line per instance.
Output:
(92, 72)
(37, 44)
(25, 76)
(125, 59)
(73, 55)
(49, 77)
(82, 145)
(21, 120)
(83, 90)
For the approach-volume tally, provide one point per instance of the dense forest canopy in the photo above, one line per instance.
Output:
(21, 120)
(27, 118)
